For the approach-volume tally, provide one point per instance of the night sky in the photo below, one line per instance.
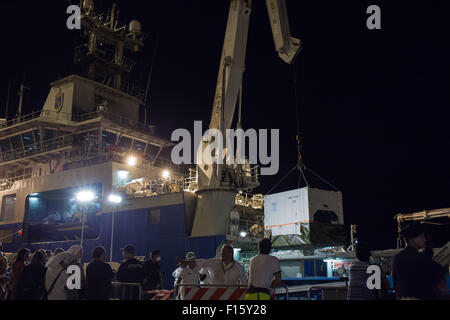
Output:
(373, 104)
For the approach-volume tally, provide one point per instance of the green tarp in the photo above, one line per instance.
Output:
(312, 235)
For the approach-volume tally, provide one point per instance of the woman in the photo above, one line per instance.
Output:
(21, 260)
(31, 284)
(56, 276)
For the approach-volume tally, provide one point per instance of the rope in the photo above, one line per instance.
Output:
(315, 174)
(284, 178)
(13, 234)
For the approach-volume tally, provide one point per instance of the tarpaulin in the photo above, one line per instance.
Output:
(312, 235)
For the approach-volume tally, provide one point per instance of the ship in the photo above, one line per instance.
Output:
(84, 170)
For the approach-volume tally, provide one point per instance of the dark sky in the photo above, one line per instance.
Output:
(373, 104)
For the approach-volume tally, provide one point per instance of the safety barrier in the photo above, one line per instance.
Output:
(217, 292)
(157, 295)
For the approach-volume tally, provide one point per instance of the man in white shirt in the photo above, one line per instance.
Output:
(264, 273)
(225, 271)
(188, 275)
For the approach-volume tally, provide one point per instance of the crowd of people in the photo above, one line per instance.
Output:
(43, 274)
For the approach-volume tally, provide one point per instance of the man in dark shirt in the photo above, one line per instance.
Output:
(152, 271)
(131, 270)
(415, 274)
(98, 276)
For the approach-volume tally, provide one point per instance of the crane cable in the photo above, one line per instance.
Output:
(300, 166)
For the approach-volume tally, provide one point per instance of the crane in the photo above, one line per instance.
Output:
(218, 183)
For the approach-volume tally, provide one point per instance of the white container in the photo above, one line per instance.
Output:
(285, 212)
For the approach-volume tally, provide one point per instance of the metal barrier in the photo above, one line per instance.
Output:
(126, 291)
(325, 291)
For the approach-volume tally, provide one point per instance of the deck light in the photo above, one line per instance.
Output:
(243, 234)
(115, 199)
(123, 174)
(85, 196)
(166, 174)
(132, 161)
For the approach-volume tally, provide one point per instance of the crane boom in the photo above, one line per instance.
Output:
(232, 66)
(286, 46)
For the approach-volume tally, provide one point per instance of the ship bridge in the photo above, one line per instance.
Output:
(83, 122)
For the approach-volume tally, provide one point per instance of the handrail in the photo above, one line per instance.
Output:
(80, 118)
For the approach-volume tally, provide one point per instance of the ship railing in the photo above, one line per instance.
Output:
(7, 183)
(37, 148)
(328, 293)
(55, 115)
(245, 225)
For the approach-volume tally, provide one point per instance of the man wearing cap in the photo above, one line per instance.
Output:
(131, 270)
(225, 271)
(189, 275)
(415, 274)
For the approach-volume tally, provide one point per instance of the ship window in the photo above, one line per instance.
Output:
(139, 146)
(57, 216)
(49, 134)
(154, 216)
(151, 152)
(5, 149)
(16, 142)
(28, 140)
(37, 135)
(109, 139)
(8, 208)
(124, 142)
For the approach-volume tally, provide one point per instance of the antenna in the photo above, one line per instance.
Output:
(150, 77)
(21, 94)
(109, 65)
(7, 101)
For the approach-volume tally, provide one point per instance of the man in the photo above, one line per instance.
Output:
(152, 272)
(131, 270)
(234, 221)
(99, 276)
(31, 283)
(357, 285)
(189, 275)
(225, 271)
(264, 273)
(415, 274)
